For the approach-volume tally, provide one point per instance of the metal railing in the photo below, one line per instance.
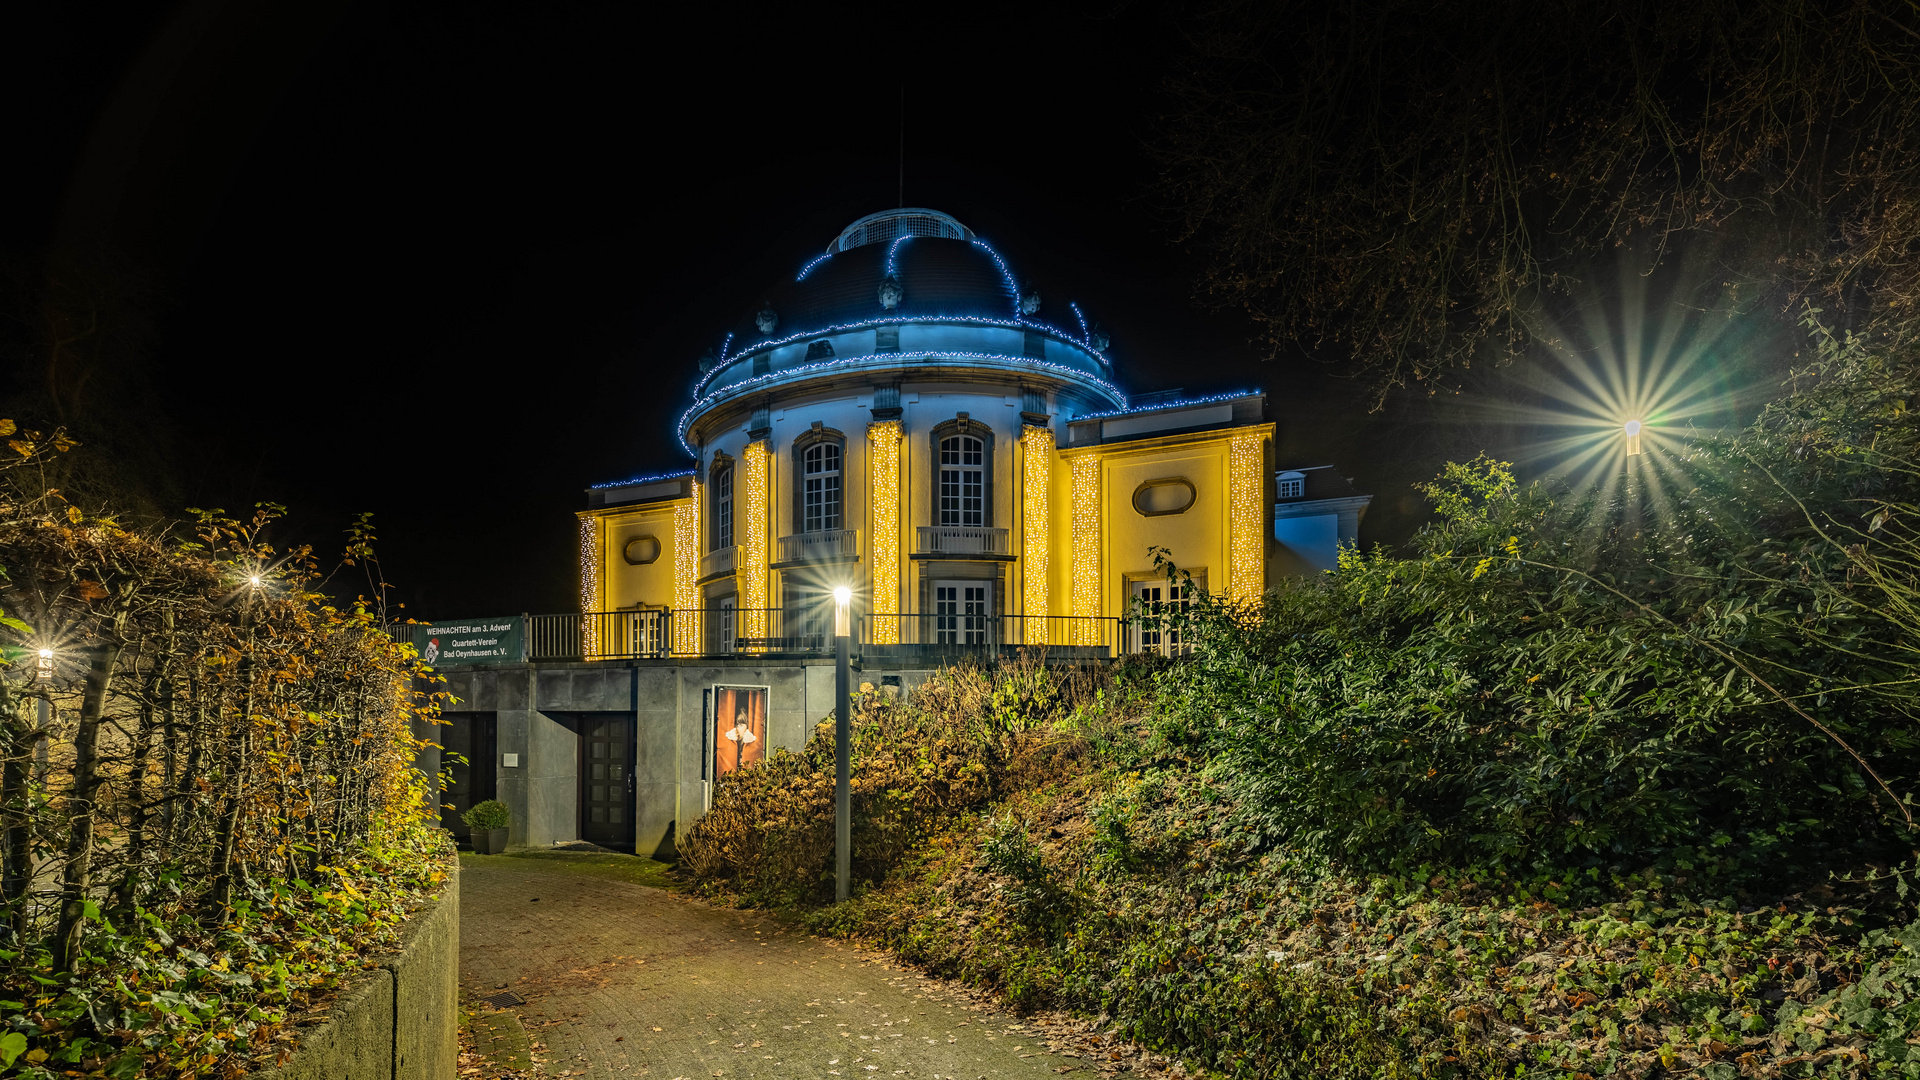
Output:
(808, 631)
(719, 561)
(960, 632)
(826, 545)
(961, 540)
(600, 635)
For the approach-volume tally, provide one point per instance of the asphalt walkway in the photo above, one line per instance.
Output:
(624, 980)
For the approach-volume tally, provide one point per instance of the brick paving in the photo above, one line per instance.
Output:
(623, 980)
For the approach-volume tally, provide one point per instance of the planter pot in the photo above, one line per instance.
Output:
(489, 841)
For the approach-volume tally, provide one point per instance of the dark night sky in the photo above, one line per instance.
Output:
(455, 262)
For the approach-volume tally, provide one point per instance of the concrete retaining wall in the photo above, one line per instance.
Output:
(399, 1021)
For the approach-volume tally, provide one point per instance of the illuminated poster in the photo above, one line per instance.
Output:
(740, 727)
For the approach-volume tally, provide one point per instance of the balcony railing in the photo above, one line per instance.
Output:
(961, 540)
(826, 545)
(718, 561)
(807, 630)
(946, 632)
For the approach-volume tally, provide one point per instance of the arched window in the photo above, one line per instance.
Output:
(820, 487)
(963, 480)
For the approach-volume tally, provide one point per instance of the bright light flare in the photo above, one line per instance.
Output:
(254, 581)
(1633, 438)
(842, 613)
(46, 654)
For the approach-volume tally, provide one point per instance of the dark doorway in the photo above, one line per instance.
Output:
(468, 765)
(606, 781)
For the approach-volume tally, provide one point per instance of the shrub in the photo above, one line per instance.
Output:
(228, 819)
(964, 738)
(489, 814)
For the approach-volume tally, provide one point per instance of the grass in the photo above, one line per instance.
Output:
(633, 869)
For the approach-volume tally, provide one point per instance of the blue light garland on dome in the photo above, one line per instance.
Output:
(657, 477)
(724, 346)
(686, 418)
(1012, 287)
(894, 250)
(1085, 336)
(1182, 403)
(808, 269)
(899, 320)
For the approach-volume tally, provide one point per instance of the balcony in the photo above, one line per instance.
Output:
(826, 545)
(963, 541)
(718, 562)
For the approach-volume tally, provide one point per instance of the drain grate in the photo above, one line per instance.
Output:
(504, 999)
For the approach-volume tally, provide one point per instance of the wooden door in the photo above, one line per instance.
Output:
(606, 781)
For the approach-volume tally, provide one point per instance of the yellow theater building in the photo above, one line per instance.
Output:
(905, 418)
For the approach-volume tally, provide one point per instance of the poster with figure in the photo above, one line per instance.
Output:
(740, 727)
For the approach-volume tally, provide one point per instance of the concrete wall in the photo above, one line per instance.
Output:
(399, 1021)
(665, 698)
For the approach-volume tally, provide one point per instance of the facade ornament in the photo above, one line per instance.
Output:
(1030, 301)
(1098, 339)
(891, 292)
(707, 360)
(767, 319)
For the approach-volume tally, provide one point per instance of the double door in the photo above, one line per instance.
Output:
(963, 613)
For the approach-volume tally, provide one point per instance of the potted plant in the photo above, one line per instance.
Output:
(488, 820)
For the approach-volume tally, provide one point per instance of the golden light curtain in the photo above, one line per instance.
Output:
(686, 573)
(1086, 548)
(589, 583)
(752, 569)
(883, 487)
(1037, 476)
(1246, 516)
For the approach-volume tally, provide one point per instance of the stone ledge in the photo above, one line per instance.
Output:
(400, 1019)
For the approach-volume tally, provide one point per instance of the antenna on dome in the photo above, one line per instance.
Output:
(903, 145)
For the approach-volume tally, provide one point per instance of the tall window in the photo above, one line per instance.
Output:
(723, 509)
(963, 481)
(820, 477)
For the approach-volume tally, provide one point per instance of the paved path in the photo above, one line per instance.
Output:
(624, 980)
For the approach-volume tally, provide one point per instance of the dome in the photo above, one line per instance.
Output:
(907, 289)
(937, 276)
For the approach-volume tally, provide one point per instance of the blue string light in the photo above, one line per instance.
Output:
(896, 320)
(891, 359)
(808, 269)
(725, 345)
(645, 479)
(1005, 274)
(1084, 336)
(894, 250)
(1168, 405)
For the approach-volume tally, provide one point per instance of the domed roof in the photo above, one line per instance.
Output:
(937, 276)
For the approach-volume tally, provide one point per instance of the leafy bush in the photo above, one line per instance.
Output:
(1694, 675)
(964, 738)
(227, 823)
(488, 814)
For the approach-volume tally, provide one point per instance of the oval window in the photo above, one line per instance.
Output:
(1173, 495)
(642, 550)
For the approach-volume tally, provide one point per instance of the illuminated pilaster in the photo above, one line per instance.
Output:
(752, 569)
(589, 582)
(883, 488)
(1086, 547)
(686, 573)
(1036, 478)
(1246, 516)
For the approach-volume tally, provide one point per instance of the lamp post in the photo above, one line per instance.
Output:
(842, 747)
(1632, 428)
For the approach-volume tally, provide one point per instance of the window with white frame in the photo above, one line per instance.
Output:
(820, 480)
(963, 481)
(723, 508)
(1291, 485)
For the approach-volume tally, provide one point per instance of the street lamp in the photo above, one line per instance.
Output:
(1632, 429)
(842, 746)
